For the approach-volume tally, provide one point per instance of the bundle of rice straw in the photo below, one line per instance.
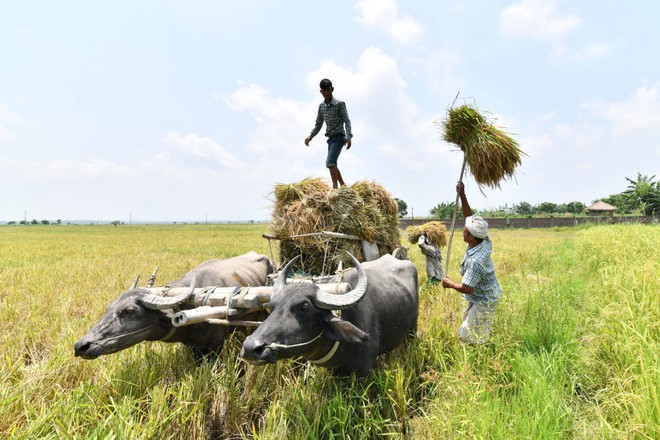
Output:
(490, 153)
(435, 231)
(364, 210)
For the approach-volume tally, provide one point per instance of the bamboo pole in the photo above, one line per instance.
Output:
(453, 220)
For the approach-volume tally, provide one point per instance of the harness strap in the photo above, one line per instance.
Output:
(323, 360)
(206, 293)
(240, 297)
(169, 334)
(328, 355)
(132, 333)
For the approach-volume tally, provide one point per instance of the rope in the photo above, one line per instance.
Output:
(276, 346)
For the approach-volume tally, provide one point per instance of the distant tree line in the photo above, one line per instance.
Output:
(35, 222)
(522, 209)
(642, 196)
(54, 222)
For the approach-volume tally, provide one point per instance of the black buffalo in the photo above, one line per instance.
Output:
(138, 315)
(376, 316)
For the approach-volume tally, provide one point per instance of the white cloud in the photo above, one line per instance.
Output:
(202, 147)
(4, 133)
(586, 155)
(384, 15)
(597, 50)
(375, 93)
(6, 117)
(440, 70)
(538, 19)
(392, 138)
(640, 112)
(57, 170)
(23, 37)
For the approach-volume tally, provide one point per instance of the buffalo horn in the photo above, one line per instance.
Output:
(135, 283)
(325, 300)
(152, 278)
(281, 279)
(158, 302)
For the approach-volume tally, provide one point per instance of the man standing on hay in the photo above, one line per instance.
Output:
(479, 285)
(333, 112)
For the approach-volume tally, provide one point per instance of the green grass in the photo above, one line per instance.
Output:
(574, 351)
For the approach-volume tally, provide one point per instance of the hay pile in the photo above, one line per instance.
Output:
(435, 231)
(490, 153)
(364, 210)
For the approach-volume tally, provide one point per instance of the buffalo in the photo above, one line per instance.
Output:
(138, 315)
(376, 316)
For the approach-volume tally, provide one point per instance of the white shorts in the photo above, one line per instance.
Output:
(477, 320)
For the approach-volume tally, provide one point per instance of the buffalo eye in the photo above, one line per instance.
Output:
(128, 311)
(303, 307)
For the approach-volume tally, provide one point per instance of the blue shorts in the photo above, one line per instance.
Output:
(335, 144)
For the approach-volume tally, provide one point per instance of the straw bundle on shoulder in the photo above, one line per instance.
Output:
(301, 210)
(435, 231)
(490, 153)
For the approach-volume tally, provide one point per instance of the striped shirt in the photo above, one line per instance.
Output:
(335, 117)
(478, 272)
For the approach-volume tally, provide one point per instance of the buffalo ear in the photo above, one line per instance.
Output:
(340, 330)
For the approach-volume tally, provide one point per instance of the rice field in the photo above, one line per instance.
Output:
(574, 352)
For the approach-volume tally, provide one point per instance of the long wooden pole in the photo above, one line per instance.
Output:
(453, 220)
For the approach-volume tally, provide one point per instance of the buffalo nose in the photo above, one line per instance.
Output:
(252, 349)
(80, 348)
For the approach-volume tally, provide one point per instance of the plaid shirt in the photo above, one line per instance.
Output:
(478, 272)
(335, 116)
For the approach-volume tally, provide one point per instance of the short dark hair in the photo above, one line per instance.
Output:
(325, 84)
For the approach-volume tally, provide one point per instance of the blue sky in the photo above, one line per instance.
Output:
(174, 111)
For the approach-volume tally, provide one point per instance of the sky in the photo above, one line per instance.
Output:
(194, 111)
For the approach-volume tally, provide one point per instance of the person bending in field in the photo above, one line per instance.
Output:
(479, 285)
(333, 112)
(431, 251)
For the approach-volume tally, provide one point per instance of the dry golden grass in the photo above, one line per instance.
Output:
(490, 154)
(302, 210)
(436, 232)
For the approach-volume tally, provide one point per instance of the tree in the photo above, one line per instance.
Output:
(575, 207)
(45, 222)
(402, 207)
(115, 223)
(445, 210)
(524, 208)
(547, 208)
(644, 194)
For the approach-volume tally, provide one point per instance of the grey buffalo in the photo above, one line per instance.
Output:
(376, 316)
(138, 315)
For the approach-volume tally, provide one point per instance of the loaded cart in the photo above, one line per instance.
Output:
(310, 221)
